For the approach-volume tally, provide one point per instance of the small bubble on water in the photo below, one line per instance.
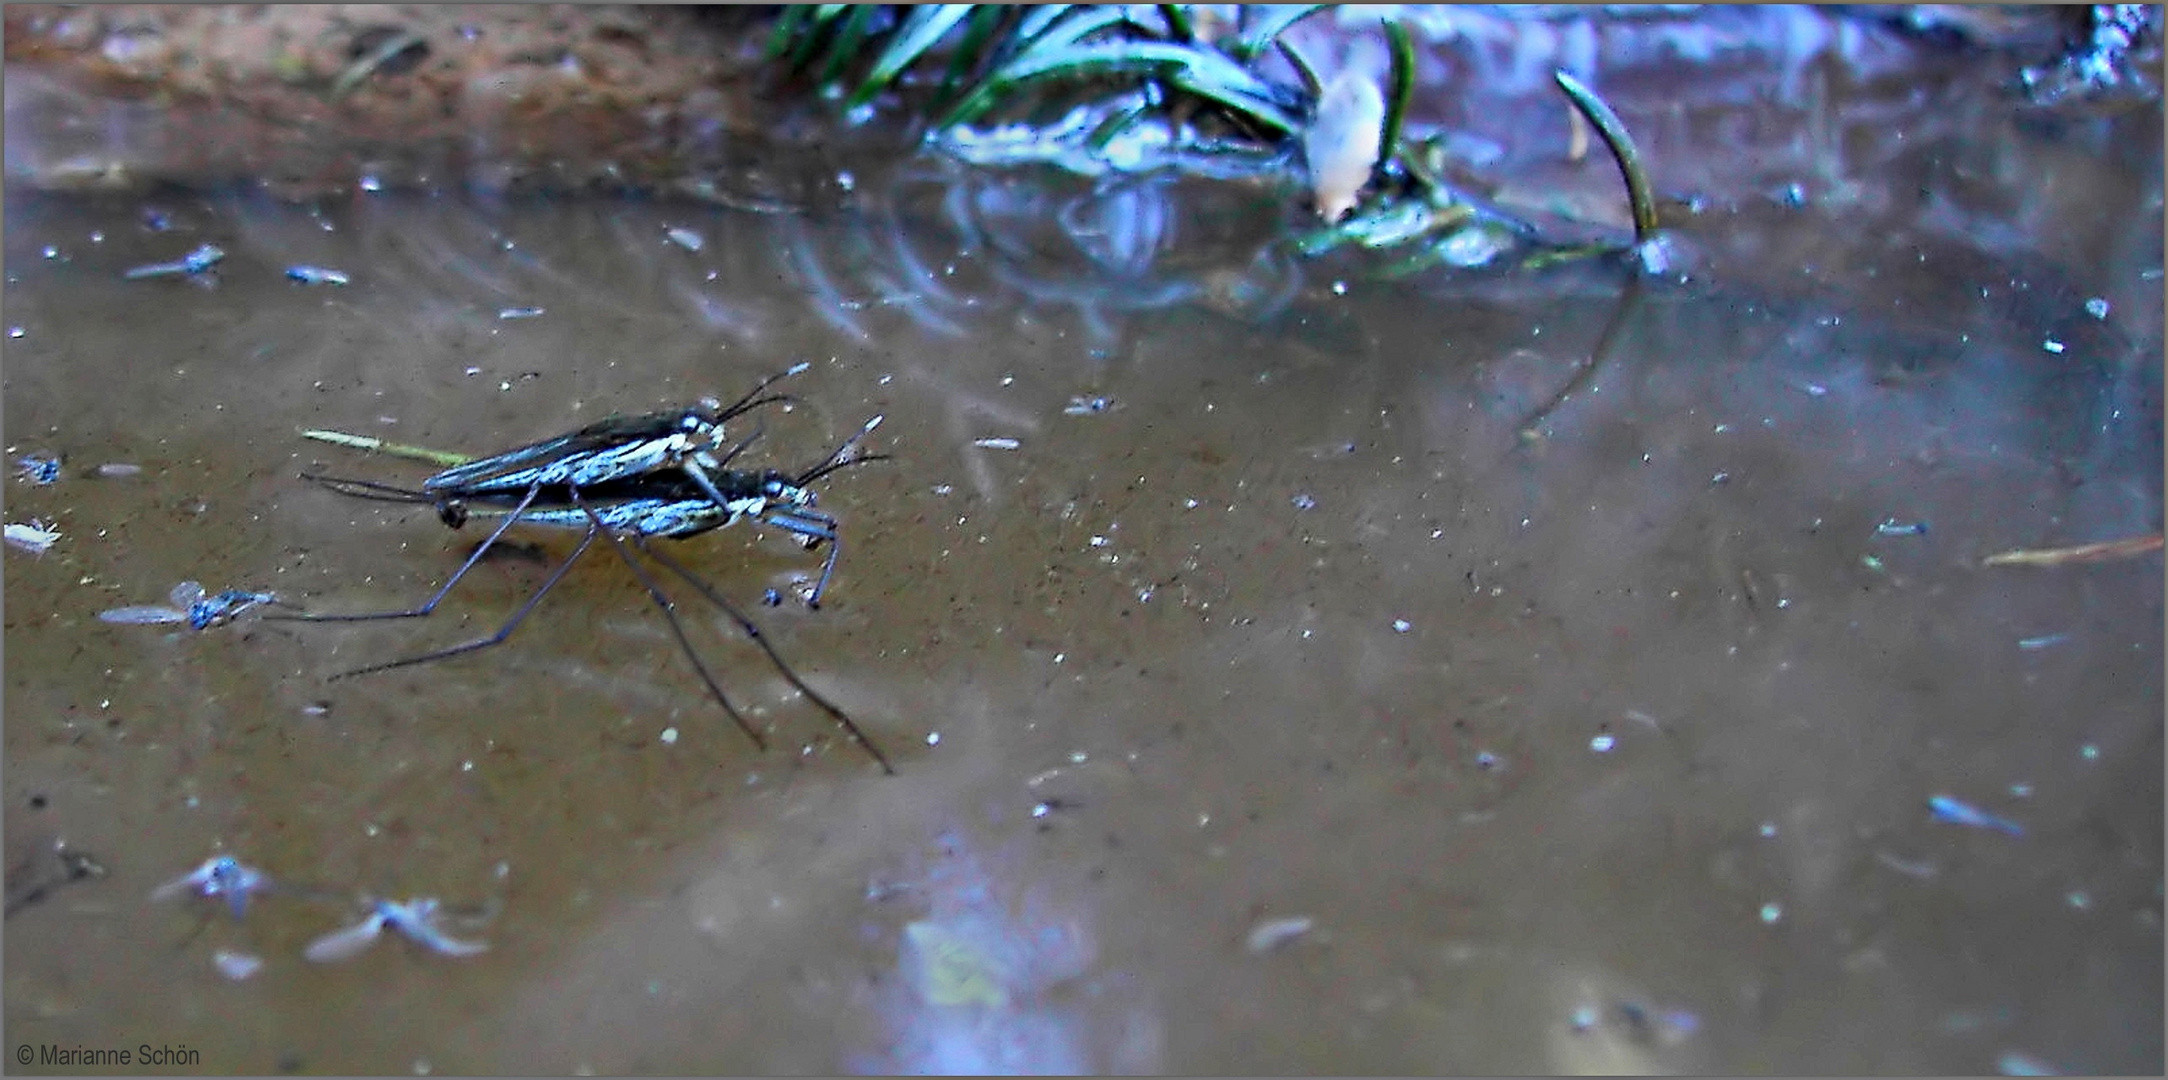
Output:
(933, 738)
(669, 736)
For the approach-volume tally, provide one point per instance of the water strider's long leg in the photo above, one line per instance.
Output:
(752, 631)
(502, 633)
(669, 614)
(430, 604)
(820, 527)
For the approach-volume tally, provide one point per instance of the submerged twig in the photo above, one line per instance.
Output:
(2082, 553)
(1613, 130)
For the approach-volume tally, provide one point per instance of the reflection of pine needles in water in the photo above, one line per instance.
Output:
(1183, 86)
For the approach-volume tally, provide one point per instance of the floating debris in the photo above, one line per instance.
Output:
(38, 470)
(1771, 912)
(1402, 626)
(2097, 308)
(997, 444)
(191, 264)
(1602, 744)
(190, 604)
(2082, 553)
(1303, 502)
(220, 875)
(34, 537)
(686, 238)
(2042, 642)
(949, 966)
(417, 920)
(519, 313)
(316, 275)
(1917, 868)
(1893, 527)
(236, 965)
(1086, 406)
(116, 470)
(1274, 933)
(1950, 811)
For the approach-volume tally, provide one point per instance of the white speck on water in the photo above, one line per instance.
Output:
(2021, 790)
(519, 312)
(1768, 828)
(473, 371)
(2097, 308)
(686, 238)
(2077, 898)
(16, 331)
(1402, 626)
(1099, 541)
(51, 252)
(2053, 346)
(997, 443)
(1303, 502)
(1339, 288)
(1078, 757)
(371, 183)
(466, 766)
(933, 738)
(2089, 752)
(1273, 933)
(1602, 744)
(1771, 912)
(1040, 810)
(1060, 656)
(2019, 1063)
(669, 736)
(1583, 1018)
(236, 965)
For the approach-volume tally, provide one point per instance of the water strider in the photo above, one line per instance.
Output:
(420, 920)
(651, 482)
(220, 875)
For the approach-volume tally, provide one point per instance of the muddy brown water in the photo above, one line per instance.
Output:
(1299, 626)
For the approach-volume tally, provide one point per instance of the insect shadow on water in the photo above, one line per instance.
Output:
(627, 480)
